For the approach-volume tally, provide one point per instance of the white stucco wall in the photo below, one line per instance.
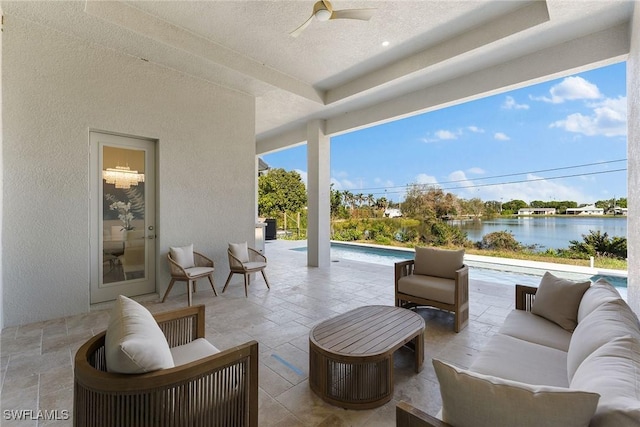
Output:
(1, 185)
(633, 162)
(56, 88)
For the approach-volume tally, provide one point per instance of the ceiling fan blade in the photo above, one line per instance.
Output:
(300, 29)
(361, 14)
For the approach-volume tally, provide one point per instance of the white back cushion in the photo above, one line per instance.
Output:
(613, 371)
(599, 293)
(610, 320)
(134, 343)
(240, 251)
(183, 255)
(438, 262)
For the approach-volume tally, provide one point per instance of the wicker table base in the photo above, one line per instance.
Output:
(351, 355)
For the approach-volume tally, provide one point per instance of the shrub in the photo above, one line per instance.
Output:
(600, 244)
(500, 240)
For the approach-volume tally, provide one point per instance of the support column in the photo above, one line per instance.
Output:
(633, 164)
(318, 189)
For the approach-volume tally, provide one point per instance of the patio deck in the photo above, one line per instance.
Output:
(36, 359)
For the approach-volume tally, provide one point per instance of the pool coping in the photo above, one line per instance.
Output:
(538, 265)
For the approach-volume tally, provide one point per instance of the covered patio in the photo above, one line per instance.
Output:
(214, 85)
(36, 362)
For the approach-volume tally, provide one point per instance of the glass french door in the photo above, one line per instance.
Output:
(122, 216)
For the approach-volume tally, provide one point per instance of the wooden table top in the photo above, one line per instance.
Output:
(367, 331)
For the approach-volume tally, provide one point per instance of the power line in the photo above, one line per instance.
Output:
(512, 182)
(504, 176)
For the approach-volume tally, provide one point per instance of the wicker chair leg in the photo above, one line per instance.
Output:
(212, 287)
(166, 293)
(189, 296)
(246, 284)
(265, 279)
(227, 282)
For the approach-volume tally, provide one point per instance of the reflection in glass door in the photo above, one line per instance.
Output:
(123, 223)
(123, 220)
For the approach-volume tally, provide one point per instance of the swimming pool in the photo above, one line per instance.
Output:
(488, 272)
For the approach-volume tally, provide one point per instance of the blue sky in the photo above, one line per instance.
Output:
(575, 125)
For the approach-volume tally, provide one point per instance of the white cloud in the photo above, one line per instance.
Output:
(501, 136)
(423, 178)
(535, 188)
(571, 89)
(511, 104)
(459, 179)
(476, 171)
(443, 135)
(475, 129)
(446, 134)
(608, 118)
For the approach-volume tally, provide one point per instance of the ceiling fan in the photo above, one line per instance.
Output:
(323, 11)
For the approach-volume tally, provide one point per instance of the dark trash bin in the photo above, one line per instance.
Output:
(270, 231)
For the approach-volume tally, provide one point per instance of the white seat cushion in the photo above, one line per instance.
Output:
(470, 399)
(192, 351)
(530, 327)
(428, 287)
(134, 342)
(519, 360)
(254, 265)
(197, 271)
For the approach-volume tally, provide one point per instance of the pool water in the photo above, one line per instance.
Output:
(494, 273)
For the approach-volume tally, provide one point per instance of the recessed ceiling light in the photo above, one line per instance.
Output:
(385, 43)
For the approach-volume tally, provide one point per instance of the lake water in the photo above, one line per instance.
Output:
(552, 232)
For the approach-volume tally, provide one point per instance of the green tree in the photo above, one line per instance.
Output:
(513, 206)
(280, 191)
(337, 208)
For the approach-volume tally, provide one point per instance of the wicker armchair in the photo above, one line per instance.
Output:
(218, 390)
(442, 282)
(203, 268)
(244, 260)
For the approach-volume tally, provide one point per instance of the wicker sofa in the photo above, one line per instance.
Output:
(202, 389)
(535, 372)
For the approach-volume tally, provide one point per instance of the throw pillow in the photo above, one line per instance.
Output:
(240, 251)
(557, 300)
(134, 343)
(438, 262)
(613, 372)
(470, 399)
(183, 255)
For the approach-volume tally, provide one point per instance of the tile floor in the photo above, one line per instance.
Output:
(36, 369)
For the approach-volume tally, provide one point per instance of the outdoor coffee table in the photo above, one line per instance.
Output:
(351, 355)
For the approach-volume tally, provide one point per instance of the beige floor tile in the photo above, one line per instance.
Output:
(36, 359)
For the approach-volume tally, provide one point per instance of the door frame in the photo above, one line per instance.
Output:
(96, 210)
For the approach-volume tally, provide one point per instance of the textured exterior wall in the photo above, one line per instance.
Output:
(56, 88)
(1, 185)
(633, 161)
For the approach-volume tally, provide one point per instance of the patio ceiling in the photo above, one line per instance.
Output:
(339, 70)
